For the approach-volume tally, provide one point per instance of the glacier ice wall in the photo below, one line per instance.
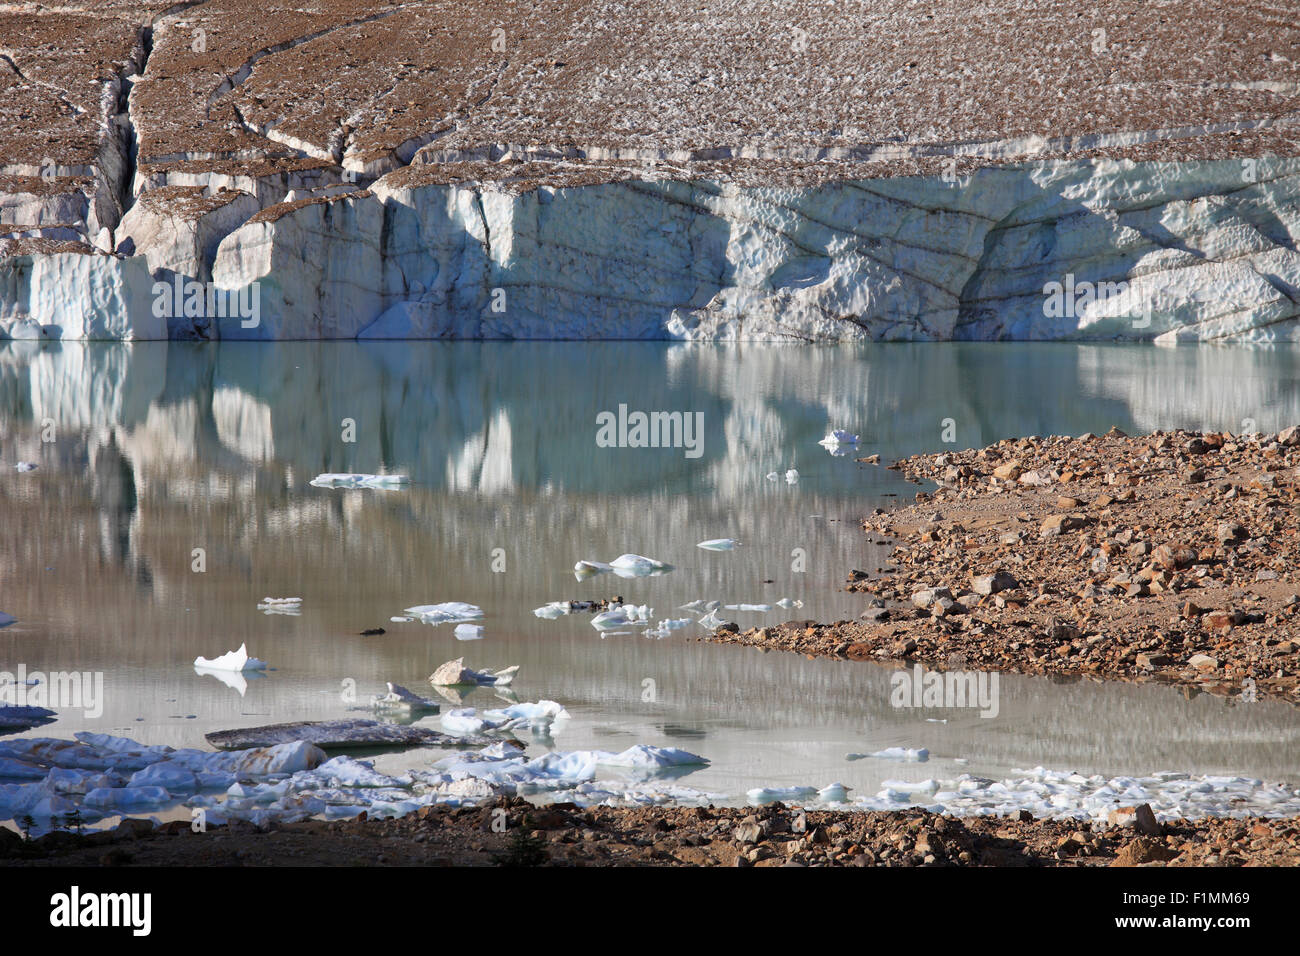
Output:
(1162, 251)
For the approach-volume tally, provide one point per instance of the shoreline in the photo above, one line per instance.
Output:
(1163, 558)
(771, 835)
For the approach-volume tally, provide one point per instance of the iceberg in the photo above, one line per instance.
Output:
(469, 632)
(231, 661)
(839, 437)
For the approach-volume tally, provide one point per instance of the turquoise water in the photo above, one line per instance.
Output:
(160, 449)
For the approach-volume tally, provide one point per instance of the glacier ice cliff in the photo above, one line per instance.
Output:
(1093, 249)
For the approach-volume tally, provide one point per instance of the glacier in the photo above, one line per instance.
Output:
(1188, 251)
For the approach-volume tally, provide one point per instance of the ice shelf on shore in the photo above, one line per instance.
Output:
(103, 776)
(1063, 795)
(381, 482)
(231, 661)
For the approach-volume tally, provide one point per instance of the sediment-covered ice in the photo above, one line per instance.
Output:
(455, 673)
(399, 698)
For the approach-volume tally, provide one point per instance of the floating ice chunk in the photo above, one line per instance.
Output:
(586, 569)
(6, 619)
(638, 566)
(399, 698)
(791, 477)
(695, 605)
(231, 661)
(469, 632)
(23, 717)
(549, 612)
(24, 466)
(382, 482)
(773, 476)
(920, 755)
(399, 619)
(787, 603)
(621, 615)
(719, 544)
(455, 673)
(668, 625)
(760, 608)
(772, 794)
(280, 605)
(445, 613)
(839, 437)
(834, 793)
(712, 620)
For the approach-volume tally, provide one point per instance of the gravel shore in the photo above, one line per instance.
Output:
(512, 832)
(1169, 557)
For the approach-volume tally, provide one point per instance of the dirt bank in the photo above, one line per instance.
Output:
(1169, 557)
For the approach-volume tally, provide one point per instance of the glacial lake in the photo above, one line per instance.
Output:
(159, 449)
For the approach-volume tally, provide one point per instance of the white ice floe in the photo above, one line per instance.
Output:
(666, 626)
(791, 477)
(455, 674)
(719, 544)
(787, 603)
(469, 632)
(919, 755)
(638, 566)
(622, 615)
(759, 608)
(536, 717)
(272, 605)
(773, 476)
(711, 620)
(625, 566)
(839, 437)
(381, 482)
(446, 613)
(25, 466)
(399, 698)
(549, 612)
(585, 569)
(231, 661)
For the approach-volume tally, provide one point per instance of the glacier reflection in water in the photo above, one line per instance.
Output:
(160, 449)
